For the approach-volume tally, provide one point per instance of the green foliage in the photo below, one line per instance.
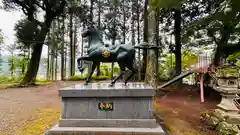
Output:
(233, 57)
(167, 70)
(165, 4)
(7, 79)
(26, 32)
(116, 69)
(104, 70)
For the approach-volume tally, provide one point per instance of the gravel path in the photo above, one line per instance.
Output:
(17, 104)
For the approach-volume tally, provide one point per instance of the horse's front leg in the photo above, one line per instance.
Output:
(80, 62)
(90, 74)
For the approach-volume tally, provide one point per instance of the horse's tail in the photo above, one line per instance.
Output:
(141, 45)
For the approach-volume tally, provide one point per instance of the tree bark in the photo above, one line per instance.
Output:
(145, 39)
(48, 61)
(56, 64)
(124, 22)
(62, 50)
(74, 49)
(71, 41)
(23, 63)
(138, 38)
(151, 70)
(217, 56)
(178, 46)
(138, 23)
(114, 36)
(99, 14)
(133, 25)
(31, 73)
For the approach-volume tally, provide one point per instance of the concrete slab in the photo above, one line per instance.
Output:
(56, 130)
(92, 90)
(134, 123)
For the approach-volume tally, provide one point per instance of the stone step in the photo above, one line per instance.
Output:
(56, 130)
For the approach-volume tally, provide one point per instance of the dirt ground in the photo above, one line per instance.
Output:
(20, 106)
(181, 108)
(31, 111)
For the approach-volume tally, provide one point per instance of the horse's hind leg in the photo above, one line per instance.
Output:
(90, 74)
(129, 65)
(98, 69)
(122, 68)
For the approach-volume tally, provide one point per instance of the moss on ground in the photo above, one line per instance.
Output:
(40, 122)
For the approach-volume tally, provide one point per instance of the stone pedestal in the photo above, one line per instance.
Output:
(227, 105)
(99, 109)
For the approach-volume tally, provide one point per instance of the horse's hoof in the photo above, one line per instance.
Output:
(111, 85)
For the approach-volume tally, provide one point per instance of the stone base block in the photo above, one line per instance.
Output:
(56, 130)
(133, 123)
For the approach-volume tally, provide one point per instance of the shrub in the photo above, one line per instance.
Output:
(76, 78)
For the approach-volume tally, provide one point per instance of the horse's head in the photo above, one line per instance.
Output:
(90, 32)
(93, 35)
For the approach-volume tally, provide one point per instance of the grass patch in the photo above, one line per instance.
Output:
(15, 82)
(42, 81)
(7, 85)
(39, 123)
(83, 77)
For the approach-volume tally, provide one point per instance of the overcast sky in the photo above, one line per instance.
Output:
(7, 22)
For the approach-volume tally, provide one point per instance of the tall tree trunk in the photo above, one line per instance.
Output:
(151, 71)
(23, 63)
(156, 36)
(91, 10)
(133, 25)
(31, 73)
(71, 41)
(217, 56)
(124, 22)
(178, 46)
(114, 36)
(48, 60)
(52, 61)
(65, 61)
(138, 38)
(62, 50)
(82, 44)
(138, 22)
(56, 65)
(99, 14)
(74, 48)
(145, 39)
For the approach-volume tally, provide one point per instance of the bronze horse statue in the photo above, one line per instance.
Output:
(123, 54)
